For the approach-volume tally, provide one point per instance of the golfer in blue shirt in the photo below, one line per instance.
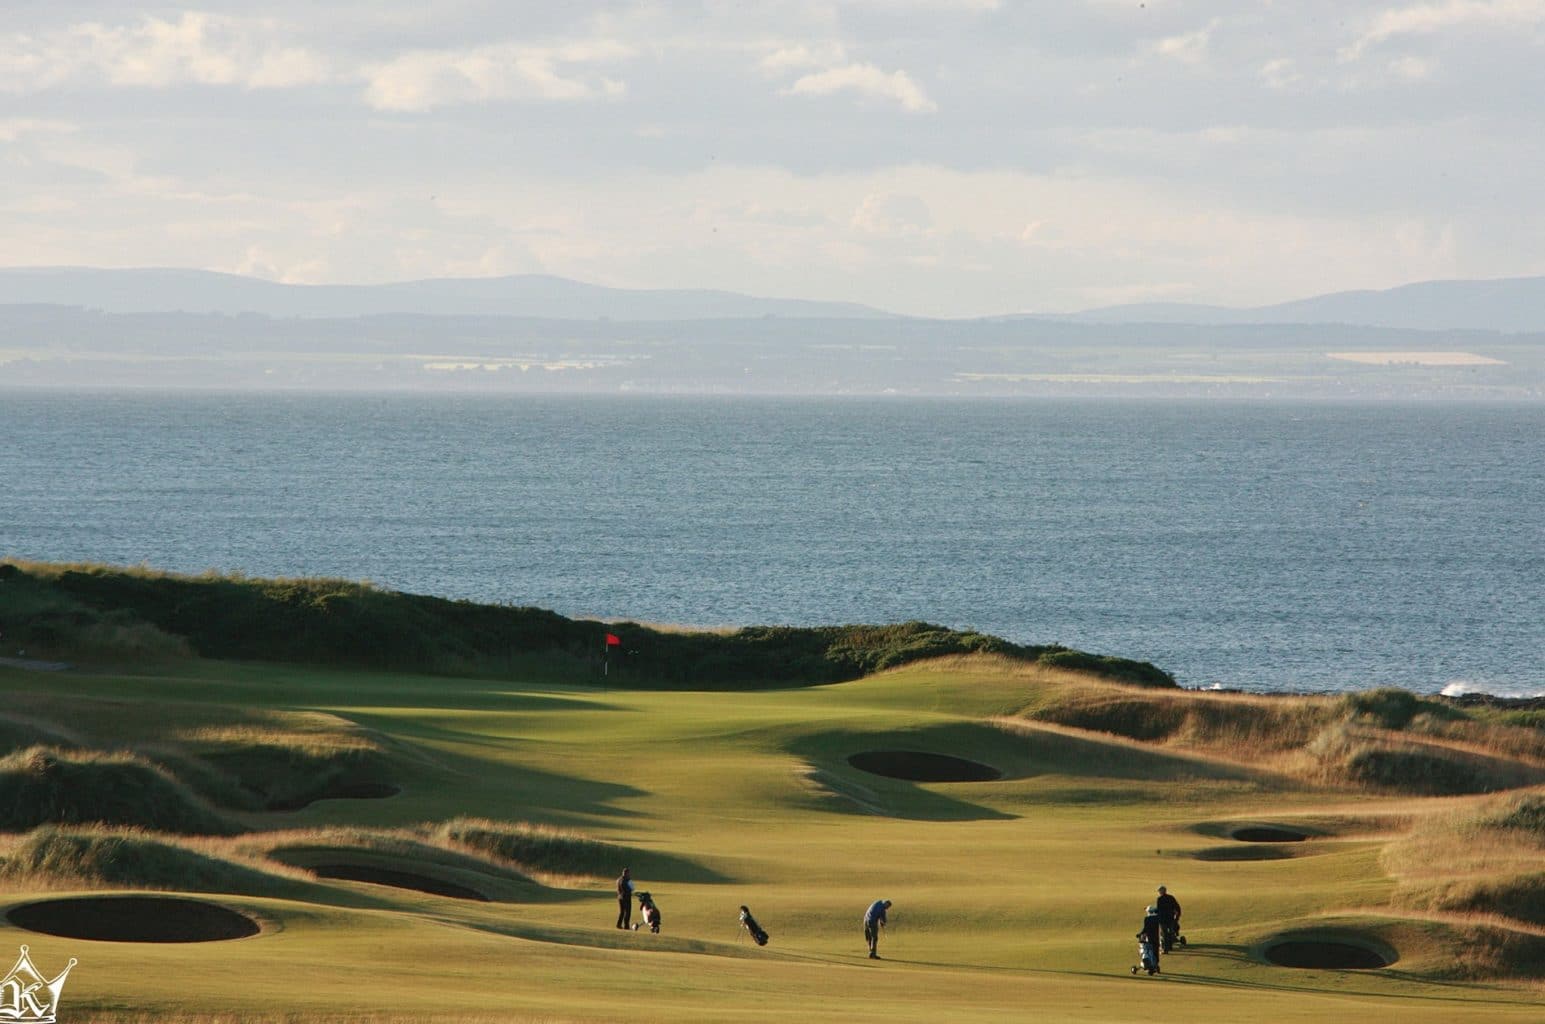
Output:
(874, 920)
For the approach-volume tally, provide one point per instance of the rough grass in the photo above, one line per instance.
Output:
(1484, 859)
(1519, 897)
(1221, 723)
(51, 785)
(97, 858)
(1487, 952)
(281, 776)
(44, 620)
(407, 848)
(536, 848)
(237, 760)
(17, 733)
(1381, 740)
(338, 622)
(1522, 813)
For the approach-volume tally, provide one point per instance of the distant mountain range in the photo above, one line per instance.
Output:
(1513, 305)
(1509, 304)
(155, 290)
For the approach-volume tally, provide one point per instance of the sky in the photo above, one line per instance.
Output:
(931, 157)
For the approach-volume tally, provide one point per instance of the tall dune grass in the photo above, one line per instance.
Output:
(52, 857)
(538, 848)
(1380, 740)
(49, 785)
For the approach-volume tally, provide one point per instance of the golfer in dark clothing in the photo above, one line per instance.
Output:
(874, 920)
(1169, 917)
(624, 899)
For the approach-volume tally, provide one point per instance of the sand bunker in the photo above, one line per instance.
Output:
(397, 879)
(1237, 853)
(917, 766)
(1268, 834)
(341, 791)
(1325, 955)
(133, 919)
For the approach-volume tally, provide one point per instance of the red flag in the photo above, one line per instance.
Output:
(613, 640)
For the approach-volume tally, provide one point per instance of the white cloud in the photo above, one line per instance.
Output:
(866, 80)
(1434, 18)
(887, 213)
(1188, 47)
(1280, 73)
(433, 78)
(155, 53)
(796, 56)
(1268, 172)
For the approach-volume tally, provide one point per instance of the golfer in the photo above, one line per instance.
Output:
(874, 920)
(1169, 917)
(624, 899)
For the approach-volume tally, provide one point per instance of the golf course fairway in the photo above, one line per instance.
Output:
(1016, 895)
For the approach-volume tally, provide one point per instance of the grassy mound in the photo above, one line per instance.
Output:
(19, 734)
(1520, 898)
(52, 857)
(57, 608)
(38, 616)
(396, 878)
(536, 848)
(1523, 813)
(1218, 722)
(1483, 860)
(287, 777)
(420, 860)
(1380, 740)
(48, 785)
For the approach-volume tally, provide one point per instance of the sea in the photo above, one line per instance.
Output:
(1262, 545)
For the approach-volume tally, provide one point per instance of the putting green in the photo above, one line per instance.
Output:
(1013, 899)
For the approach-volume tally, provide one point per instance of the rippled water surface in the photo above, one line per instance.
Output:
(1267, 546)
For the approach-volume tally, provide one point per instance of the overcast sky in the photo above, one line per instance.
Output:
(945, 157)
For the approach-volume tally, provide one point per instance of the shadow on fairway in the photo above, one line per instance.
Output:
(398, 880)
(487, 787)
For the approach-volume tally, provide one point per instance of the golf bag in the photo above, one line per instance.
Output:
(1147, 956)
(650, 912)
(757, 932)
(1172, 935)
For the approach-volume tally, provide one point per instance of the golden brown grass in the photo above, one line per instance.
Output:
(1484, 857)
(100, 857)
(1380, 741)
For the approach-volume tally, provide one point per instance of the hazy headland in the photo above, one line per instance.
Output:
(73, 328)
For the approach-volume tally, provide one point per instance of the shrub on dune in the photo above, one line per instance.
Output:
(338, 622)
